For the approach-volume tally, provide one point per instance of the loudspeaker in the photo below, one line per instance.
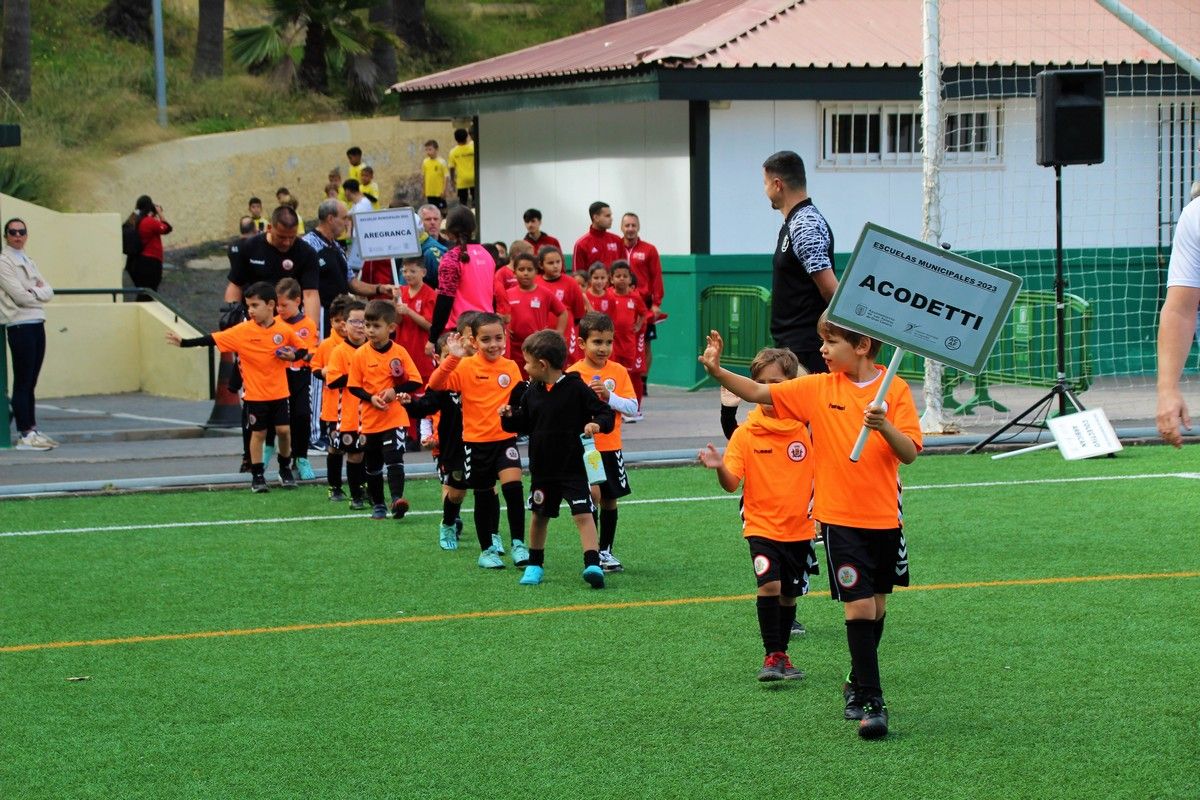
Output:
(1070, 117)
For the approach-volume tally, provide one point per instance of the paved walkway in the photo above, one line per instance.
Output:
(138, 440)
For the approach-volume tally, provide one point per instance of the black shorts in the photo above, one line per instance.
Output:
(452, 475)
(349, 441)
(263, 414)
(391, 440)
(790, 563)
(545, 498)
(616, 483)
(329, 431)
(864, 562)
(483, 461)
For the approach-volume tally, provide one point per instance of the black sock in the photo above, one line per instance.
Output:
(285, 462)
(487, 516)
(375, 487)
(860, 635)
(787, 615)
(536, 557)
(768, 623)
(257, 469)
(333, 469)
(879, 630)
(450, 510)
(395, 479)
(514, 500)
(355, 476)
(608, 528)
(591, 558)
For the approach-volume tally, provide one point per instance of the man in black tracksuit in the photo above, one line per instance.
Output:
(555, 408)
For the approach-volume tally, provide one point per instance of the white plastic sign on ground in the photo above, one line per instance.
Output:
(1085, 434)
(923, 299)
(388, 233)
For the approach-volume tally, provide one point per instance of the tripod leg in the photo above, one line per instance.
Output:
(1035, 409)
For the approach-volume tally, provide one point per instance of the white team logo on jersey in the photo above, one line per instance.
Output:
(610, 385)
(797, 451)
(761, 565)
(302, 333)
(538, 497)
(504, 380)
(287, 265)
(277, 338)
(847, 576)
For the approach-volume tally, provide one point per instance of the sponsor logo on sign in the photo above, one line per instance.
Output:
(504, 380)
(847, 576)
(761, 565)
(859, 310)
(797, 451)
(953, 342)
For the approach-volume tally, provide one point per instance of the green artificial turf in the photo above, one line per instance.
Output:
(1070, 689)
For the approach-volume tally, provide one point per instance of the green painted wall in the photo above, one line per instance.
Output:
(1123, 286)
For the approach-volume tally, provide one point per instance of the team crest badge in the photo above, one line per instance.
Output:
(396, 368)
(761, 565)
(538, 497)
(847, 576)
(347, 439)
(302, 333)
(797, 451)
(287, 265)
(251, 419)
(504, 380)
(512, 454)
(610, 385)
(277, 338)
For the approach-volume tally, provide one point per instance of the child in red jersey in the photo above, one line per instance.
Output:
(531, 308)
(598, 295)
(772, 459)
(414, 313)
(550, 264)
(629, 318)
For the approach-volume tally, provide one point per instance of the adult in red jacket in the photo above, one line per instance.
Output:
(647, 275)
(598, 244)
(145, 269)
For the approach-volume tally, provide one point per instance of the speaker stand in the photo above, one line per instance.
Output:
(1061, 391)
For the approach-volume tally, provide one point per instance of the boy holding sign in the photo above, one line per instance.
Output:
(858, 503)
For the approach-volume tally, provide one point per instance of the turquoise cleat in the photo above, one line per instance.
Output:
(532, 576)
(489, 559)
(520, 553)
(594, 576)
(446, 538)
(497, 544)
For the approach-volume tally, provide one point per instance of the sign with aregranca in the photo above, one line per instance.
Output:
(387, 233)
(923, 299)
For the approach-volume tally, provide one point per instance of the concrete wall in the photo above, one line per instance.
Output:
(632, 156)
(111, 348)
(73, 251)
(203, 182)
(1008, 204)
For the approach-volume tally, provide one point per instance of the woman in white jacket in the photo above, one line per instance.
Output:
(23, 293)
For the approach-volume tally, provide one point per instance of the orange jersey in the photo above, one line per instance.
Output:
(616, 380)
(484, 386)
(264, 374)
(307, 331)
(376, 370)
(865, 494)
(347, 411)
(320, 360)
(773, 458)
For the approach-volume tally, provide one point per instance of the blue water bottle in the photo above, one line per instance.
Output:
(593, 462)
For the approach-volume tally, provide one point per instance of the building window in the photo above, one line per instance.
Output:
(868, 134)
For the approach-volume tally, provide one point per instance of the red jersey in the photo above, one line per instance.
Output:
(602, 303)
(378, 271)
(647, 271)
(629, 347)
(504, 280)
(545, 240)
(532, 311)
(596, 245)
(570, 295)
(409, 334)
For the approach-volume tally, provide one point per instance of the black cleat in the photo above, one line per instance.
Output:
(286, 479)
(358, 504)
(797, 629)
(772, 668)
(258, 485)
(379, 512)
(336, 495)
(874, 724)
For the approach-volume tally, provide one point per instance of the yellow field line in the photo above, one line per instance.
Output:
(525, 612)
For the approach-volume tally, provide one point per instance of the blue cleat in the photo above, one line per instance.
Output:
(520, 553)
(532, 576)
(497, 544)
(489, 559)
(594, 576)
(446, 538)
(304, 469)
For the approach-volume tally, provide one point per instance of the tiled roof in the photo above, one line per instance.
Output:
(839, 33)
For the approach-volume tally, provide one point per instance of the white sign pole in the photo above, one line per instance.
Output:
(888, 377)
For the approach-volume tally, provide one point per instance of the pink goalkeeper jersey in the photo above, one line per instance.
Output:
(471, 284)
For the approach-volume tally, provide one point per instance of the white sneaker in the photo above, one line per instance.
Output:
(609, 563)
(43, 438)
(30, 441)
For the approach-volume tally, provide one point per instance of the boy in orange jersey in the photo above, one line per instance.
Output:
(611, 383)
(531, 307)
(289, 297)
(346, 437)
(772, 459)
(629, 315)
(264, 347)
(556, 409)
(382, 374)
(857, 503)
(327, 414)
(485, 382)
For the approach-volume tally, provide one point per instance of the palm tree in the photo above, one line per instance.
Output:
(210, 40)
(335, 34)
(16, 64)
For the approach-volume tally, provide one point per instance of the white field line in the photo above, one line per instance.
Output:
(120, 415)
(642, 501)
